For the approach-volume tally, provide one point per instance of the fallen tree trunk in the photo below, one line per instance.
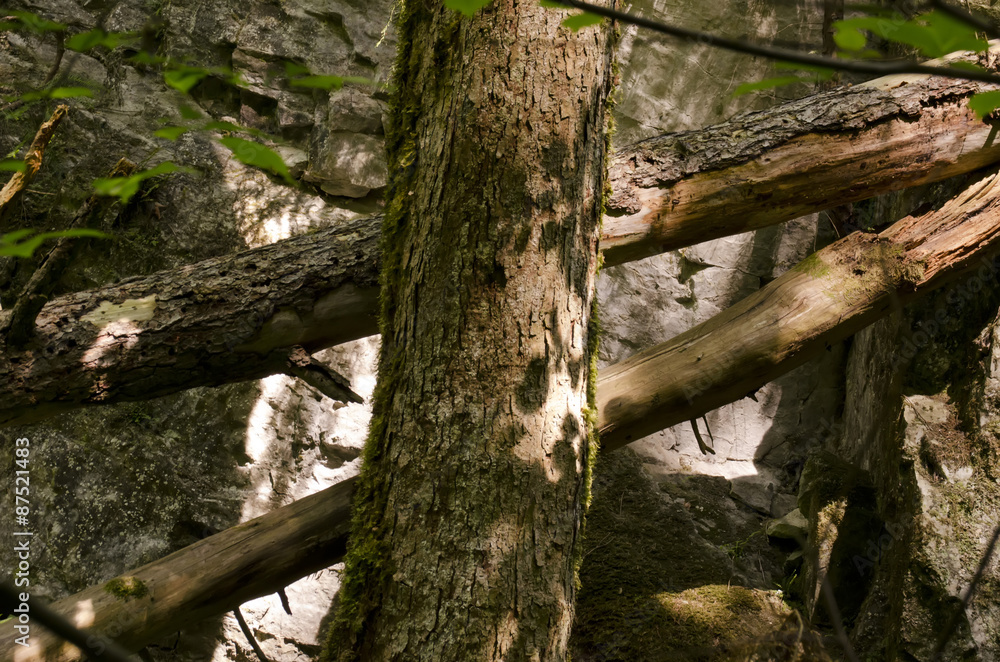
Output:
(232, 319)
(203, 580)
(832, 294)
(803, 156)
(826, 298)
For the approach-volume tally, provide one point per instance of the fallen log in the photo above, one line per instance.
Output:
(203, 580)
(826, 298)
(234, 318)
(830, 295)
(800, 157)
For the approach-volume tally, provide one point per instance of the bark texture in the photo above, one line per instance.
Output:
(802, 156)
(320, 289)
(826, 298)
(218, 321)
(476, 470)
(203, 580)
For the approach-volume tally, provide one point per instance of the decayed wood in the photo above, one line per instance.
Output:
(803, 156)
(829, 296)
(203, 580)
(758, 169)
(14, 189)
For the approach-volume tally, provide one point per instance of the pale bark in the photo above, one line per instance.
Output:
(203, 580)
(321, 289)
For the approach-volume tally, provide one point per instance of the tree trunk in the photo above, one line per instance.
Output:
(476, 469)
(318, 290)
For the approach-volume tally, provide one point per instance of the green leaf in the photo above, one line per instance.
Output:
(293, 69)
(11, 165)
(580, 21)
(184, 79)
(17, 243)
(549, 4)
(170, 132)
(767, 84)
(125, 187)
(69, 92)
(36, 23)
(189, 113)
(84, 41)
(934, 34)
(984, 103)
(257, 155)
(467, 7)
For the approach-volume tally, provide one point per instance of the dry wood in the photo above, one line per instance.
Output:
(803, 156)
(15, 186)
(203, 580)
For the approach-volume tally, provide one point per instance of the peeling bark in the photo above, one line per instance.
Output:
(800, 157)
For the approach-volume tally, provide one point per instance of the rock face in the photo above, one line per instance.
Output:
(684, 550)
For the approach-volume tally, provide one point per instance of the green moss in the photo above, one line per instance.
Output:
(127, 588)
(813, 265)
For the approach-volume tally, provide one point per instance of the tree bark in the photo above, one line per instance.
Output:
(201, 581)
(218, 321)
(826, 298)
(466, 535)
(800, 157)
(320, 289)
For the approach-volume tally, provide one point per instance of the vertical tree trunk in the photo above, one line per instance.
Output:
(476, 473)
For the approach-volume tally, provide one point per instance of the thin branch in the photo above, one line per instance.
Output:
(96, 647)
(328, 382)
(15, 186)
(20, 324)
(782, 54)
(248, 633)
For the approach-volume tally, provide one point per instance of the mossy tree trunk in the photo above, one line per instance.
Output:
(476, 471)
